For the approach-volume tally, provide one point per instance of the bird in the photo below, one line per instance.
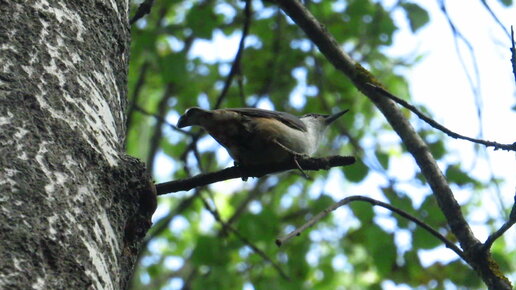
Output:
(256, 137)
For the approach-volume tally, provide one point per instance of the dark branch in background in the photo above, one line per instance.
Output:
(507, 225)
(457, 35)
(273, 63)
(242, 207)
(163, 121)
(475, 88)
(192, 147)
(483, 264)
(259, 171)
(495, 18)
(345, 201)
(434, 124)
(134, 102)
(243, 239)
(513, 54)
(162, 224)
(143, 71)
(235, 67)
(157, 130)
(134, 99)
(143, 9)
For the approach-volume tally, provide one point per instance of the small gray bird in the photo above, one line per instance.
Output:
(256, 136)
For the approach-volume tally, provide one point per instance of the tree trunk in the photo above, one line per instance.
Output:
(73, 206)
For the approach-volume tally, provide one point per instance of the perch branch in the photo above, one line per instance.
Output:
(258, 171)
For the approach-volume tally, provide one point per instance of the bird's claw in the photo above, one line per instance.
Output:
(239, 166)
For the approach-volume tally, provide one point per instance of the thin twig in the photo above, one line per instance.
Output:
(242, 207)
(214, 212)
(513, 54)
(235, 67)
(495, 18)
(294, 155)
(507, 225)
(434, 124)
(157, 130)
(274, 62)
(345, 201)
(475, 85)
(162, 120)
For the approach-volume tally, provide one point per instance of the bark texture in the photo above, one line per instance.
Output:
(73, 206)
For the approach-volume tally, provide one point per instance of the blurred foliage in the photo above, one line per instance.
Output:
(282, 69)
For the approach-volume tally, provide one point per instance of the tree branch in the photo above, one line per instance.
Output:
(507, 225)
(434, 124)
(243, 239)
(235, 67)
(480, 261)
(345, 201)
(259, 171)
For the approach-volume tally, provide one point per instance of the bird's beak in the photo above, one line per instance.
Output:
(183, 122)
(331, 118)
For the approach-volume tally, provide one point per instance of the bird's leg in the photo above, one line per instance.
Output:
(242, 169)
(295, 155)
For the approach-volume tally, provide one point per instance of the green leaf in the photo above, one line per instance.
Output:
(421, 239)
(383, 158)
(212, 280)
(431, 213)
(506, 3)
(459, 177)
(363, 211)
(201, 20)
(416, 15)
(173, 68)
(382, 249)
(463, 275)
(401, 201)
(437, 148)
(209, 251)
(321, 203)
(262, 226)
(356, 172)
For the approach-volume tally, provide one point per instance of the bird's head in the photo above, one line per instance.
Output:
(192, 116)
(319, 122)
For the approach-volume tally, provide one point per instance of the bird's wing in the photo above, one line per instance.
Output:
(286, 118)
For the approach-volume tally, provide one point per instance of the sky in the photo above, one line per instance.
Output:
(440, 83)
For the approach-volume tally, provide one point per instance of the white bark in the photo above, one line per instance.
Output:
(73, 206)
